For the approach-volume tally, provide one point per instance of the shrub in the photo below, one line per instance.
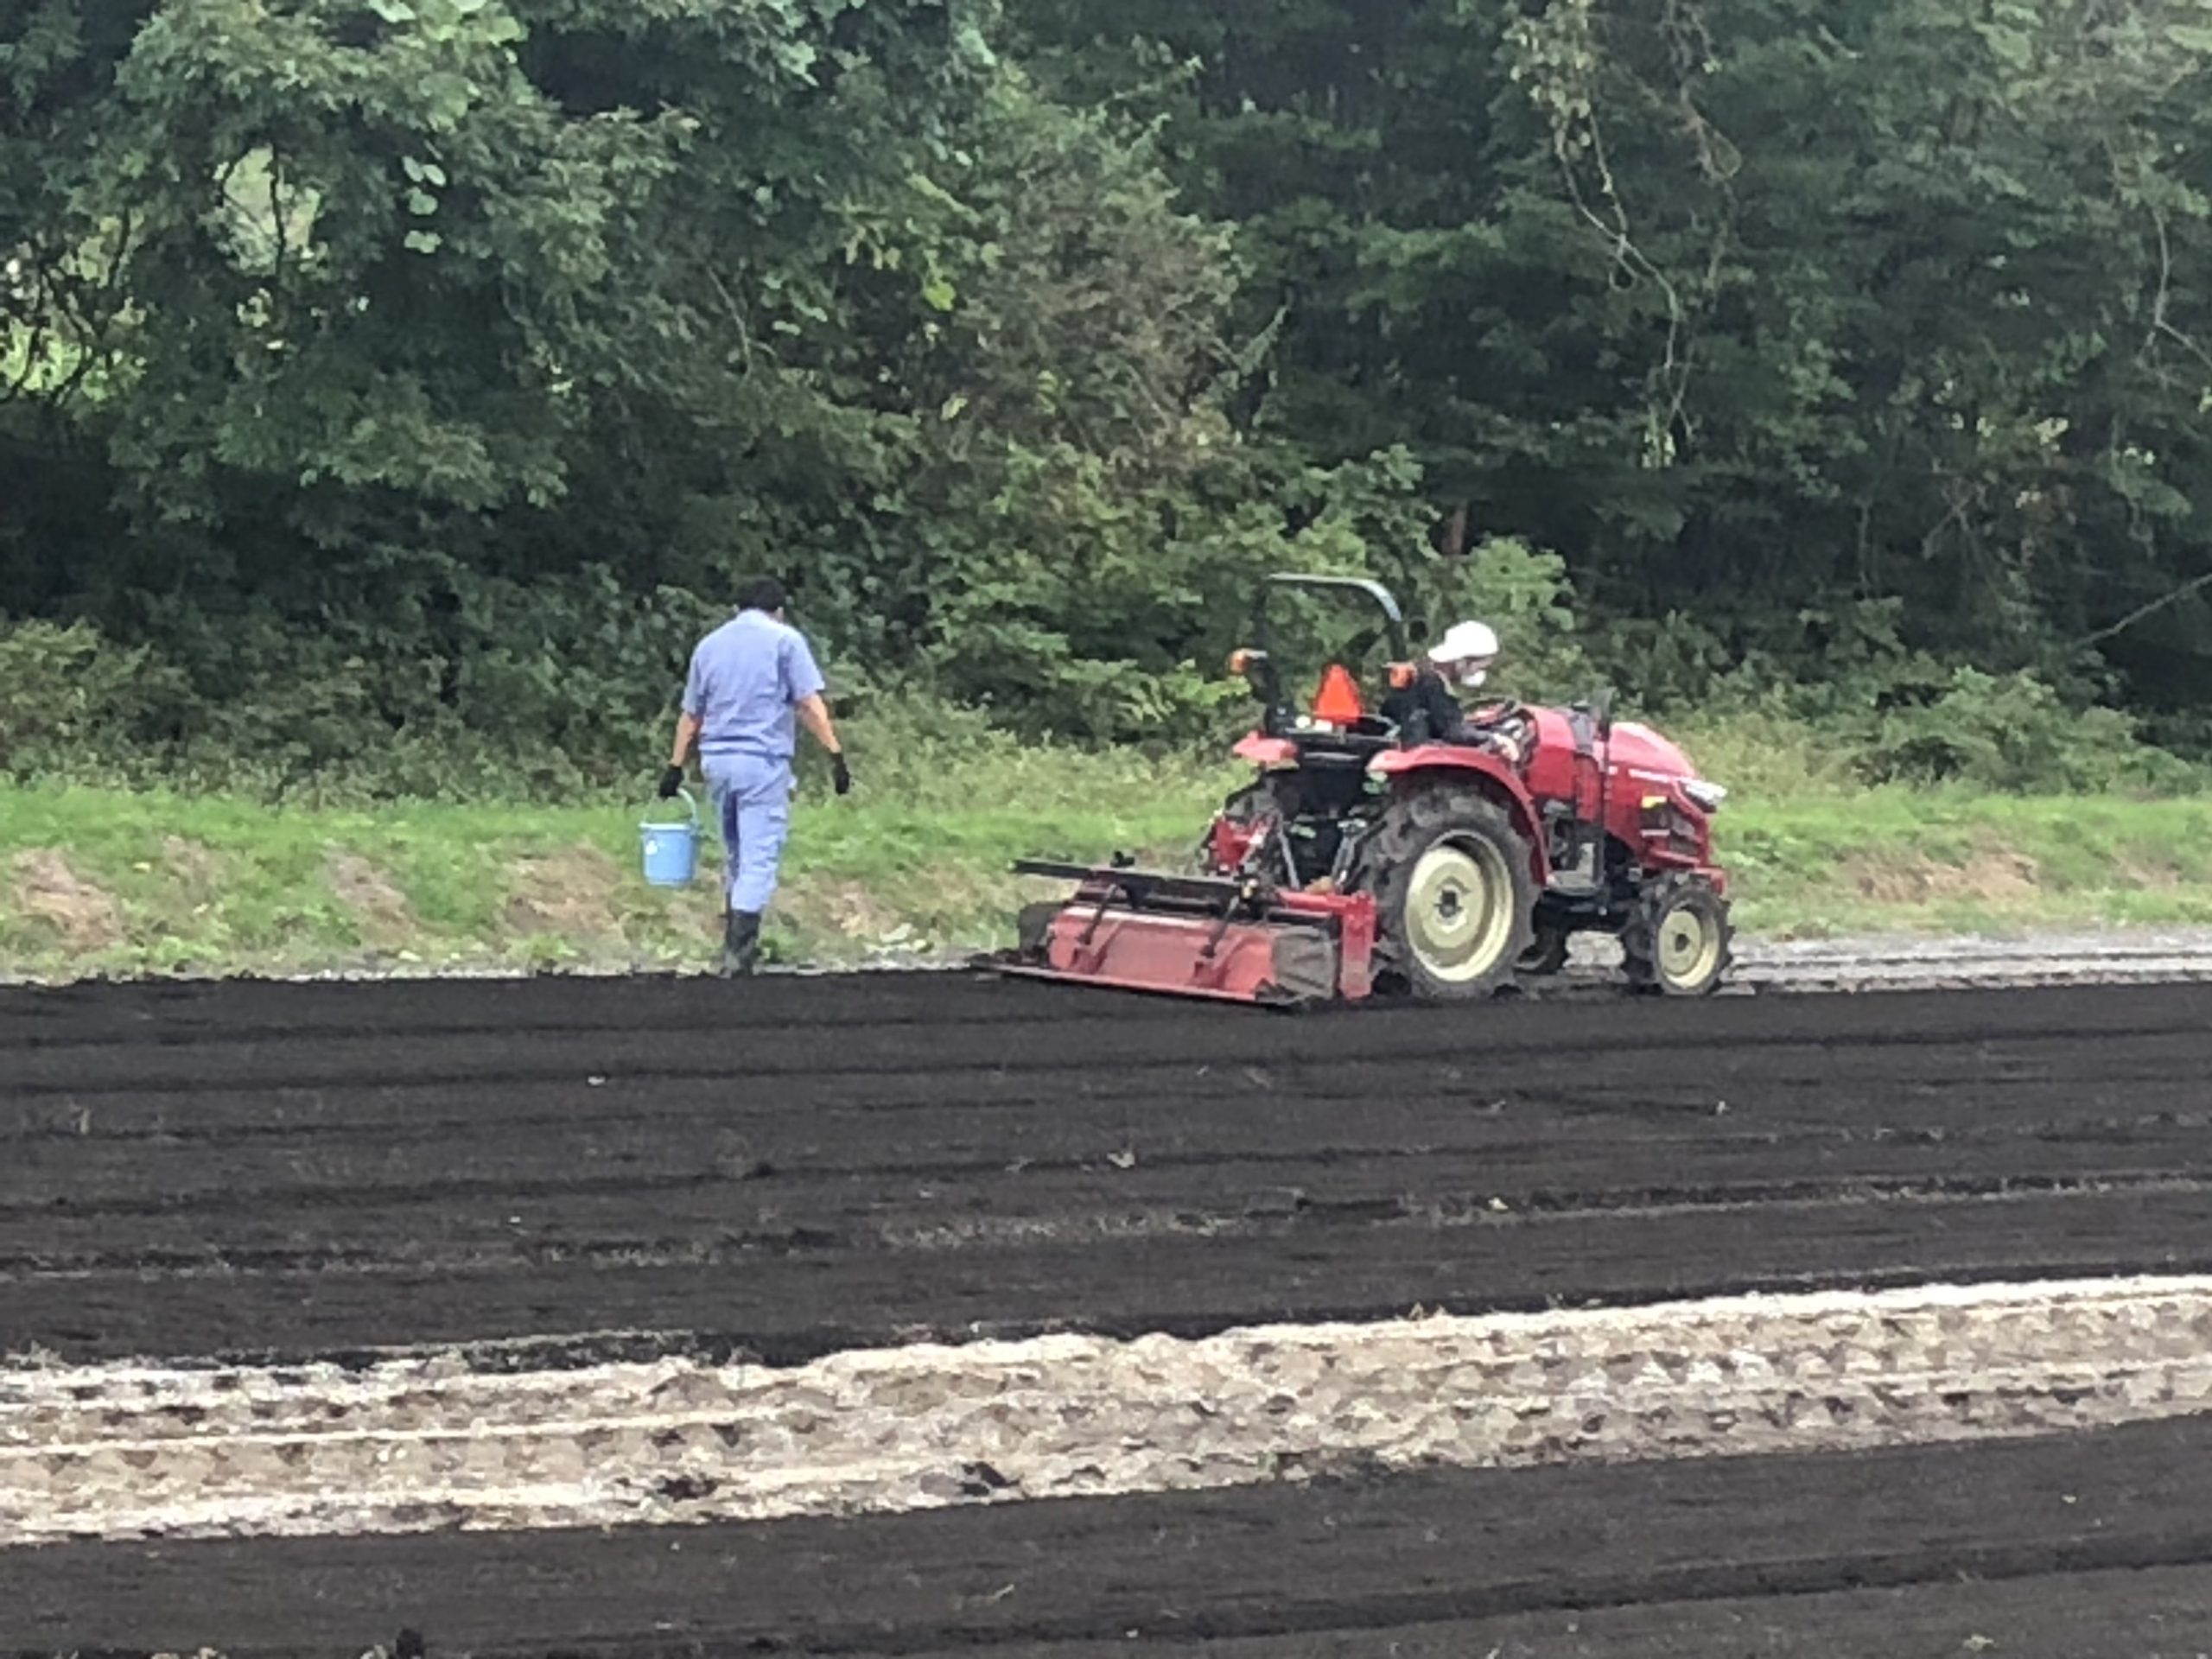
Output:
(2013, 732)
(72, 701)
(1120, 635)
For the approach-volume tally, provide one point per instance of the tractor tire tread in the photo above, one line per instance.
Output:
(1386, 864)
(1639, 948)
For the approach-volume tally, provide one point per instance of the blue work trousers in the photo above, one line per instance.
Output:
(753, 795)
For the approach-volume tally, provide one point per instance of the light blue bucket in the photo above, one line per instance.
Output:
(671, 851)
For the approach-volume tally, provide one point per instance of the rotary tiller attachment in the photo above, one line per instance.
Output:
(1233, 940)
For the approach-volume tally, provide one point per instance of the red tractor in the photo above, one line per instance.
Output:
(1367, 858)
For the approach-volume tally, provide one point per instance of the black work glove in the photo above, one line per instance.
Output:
(671, 783)
(841, 773)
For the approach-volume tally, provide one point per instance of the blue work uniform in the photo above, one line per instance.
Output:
(747, 678)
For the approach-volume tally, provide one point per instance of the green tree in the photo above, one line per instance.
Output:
(1746, 305)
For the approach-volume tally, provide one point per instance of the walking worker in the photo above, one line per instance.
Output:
(751, 681)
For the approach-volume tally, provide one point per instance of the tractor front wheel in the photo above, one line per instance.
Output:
(1454, 894)
(1679, 943)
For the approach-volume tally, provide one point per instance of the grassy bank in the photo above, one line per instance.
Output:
(100, 881)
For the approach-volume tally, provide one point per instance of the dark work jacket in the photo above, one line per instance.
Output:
(1428, 694)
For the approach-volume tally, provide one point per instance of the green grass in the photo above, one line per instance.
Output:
(1946, 862)
(102, 880)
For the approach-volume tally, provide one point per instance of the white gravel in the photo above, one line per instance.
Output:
(421, 1442)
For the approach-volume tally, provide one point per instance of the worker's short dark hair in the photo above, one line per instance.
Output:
(761, 594)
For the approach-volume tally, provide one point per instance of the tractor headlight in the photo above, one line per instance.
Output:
(1706, 795)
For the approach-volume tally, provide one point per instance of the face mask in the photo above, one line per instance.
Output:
(1473, 676)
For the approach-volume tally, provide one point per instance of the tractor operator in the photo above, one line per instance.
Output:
(1463, 658)
(749, 679)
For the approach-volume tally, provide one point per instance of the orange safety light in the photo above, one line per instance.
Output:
(1337, 700)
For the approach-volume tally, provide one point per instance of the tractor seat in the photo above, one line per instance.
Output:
(1339, 748)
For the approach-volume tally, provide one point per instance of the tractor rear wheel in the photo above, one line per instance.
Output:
(1455, 895)
(1680, 943)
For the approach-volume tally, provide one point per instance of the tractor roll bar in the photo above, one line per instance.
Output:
(1383, 599)
(1269, 683)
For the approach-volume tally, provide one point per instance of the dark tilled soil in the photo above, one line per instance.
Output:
(2070, 1549)
(791, 1167)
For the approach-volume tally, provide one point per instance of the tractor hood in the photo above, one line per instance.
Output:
(1647, 756)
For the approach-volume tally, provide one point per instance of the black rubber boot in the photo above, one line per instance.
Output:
(740, 943)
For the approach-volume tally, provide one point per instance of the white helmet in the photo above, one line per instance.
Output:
(1469, 647)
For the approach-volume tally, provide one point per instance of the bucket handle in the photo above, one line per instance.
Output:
(690, 806)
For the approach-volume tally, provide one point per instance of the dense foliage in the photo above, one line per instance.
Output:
(407, 381)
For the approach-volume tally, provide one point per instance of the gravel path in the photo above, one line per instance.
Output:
(1875, 962)
(424, 1443)
(2113, 956)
